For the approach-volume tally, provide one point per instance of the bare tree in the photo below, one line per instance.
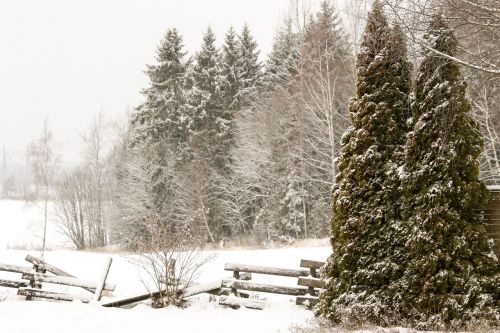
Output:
(172, 260)
(476, 22)
(97, 154)
(70, 207)
(44, 161)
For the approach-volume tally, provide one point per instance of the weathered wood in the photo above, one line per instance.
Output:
(15, 268)
(493, 205)
(102, 281)
(201, 288)
(13, 284)
(311, 264)
(118, 302)
(244, 276)
(310, 282)
(236, 303)
(68, 281)
(265, 288)
(32, 292)
(266, 270)
(220, 292)
(51, 268)
(308, 301)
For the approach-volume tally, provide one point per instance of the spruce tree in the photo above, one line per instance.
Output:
(249, 67)
(230, 73)
(361, 274)
(210, 132)
(210, 123)
(281, 65)
(160, 116)
(452, 278)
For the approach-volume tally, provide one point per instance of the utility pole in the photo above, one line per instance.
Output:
(4, 172)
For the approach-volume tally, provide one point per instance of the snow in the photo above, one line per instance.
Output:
(19, 225)
(278, 315)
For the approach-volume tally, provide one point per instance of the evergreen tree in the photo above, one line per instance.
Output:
(160, 116)
(281, 65)
(453, 276)
(249, 67)
(204, 83)
(210, 132)
(230, 73)
(362, 273)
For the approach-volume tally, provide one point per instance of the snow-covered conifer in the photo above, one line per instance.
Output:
(361, 274)
(281, 65)
(453, 276)
(160, 116)
(249, 67)
(230, 71)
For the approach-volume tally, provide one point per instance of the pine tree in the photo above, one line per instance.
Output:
(453, 276)
(160, 116)
(362, 273)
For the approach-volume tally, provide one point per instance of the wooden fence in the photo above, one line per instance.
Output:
(307, 291)
(492, 215)
(32, 278)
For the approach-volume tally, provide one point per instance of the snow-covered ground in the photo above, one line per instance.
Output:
(21, 226)
(201, 315)
(20, 230)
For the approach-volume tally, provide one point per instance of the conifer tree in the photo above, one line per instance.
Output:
(161, 114)
(230, 73)
(204, 76)
(210, 123)
(453, 276)
(249, 66)
(361, 274)
(210, 133)
(281, 65)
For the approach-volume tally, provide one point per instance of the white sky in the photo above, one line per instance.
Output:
(67, 60)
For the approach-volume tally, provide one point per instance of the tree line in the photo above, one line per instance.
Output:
(233, 148)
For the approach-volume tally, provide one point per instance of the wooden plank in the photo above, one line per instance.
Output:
(245, 276)
(13, 284)
(310, 282)
(220, 292)
(265, 288)
(67, 281)
(236, 303)
(118, 302)
(43, 264)
(202, 288)
(266, 270)
(15, 268)
(311, 264)
(308, 301)
(51, 268)
(102, 281)
(32, 292)
(493, 205)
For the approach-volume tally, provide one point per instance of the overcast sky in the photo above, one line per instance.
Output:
(67, 60)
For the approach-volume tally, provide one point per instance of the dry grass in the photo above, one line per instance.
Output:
(322, 326)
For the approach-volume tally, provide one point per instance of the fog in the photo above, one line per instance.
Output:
(68, 60)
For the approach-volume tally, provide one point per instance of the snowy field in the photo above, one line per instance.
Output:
(19, 227)
(201, 315)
